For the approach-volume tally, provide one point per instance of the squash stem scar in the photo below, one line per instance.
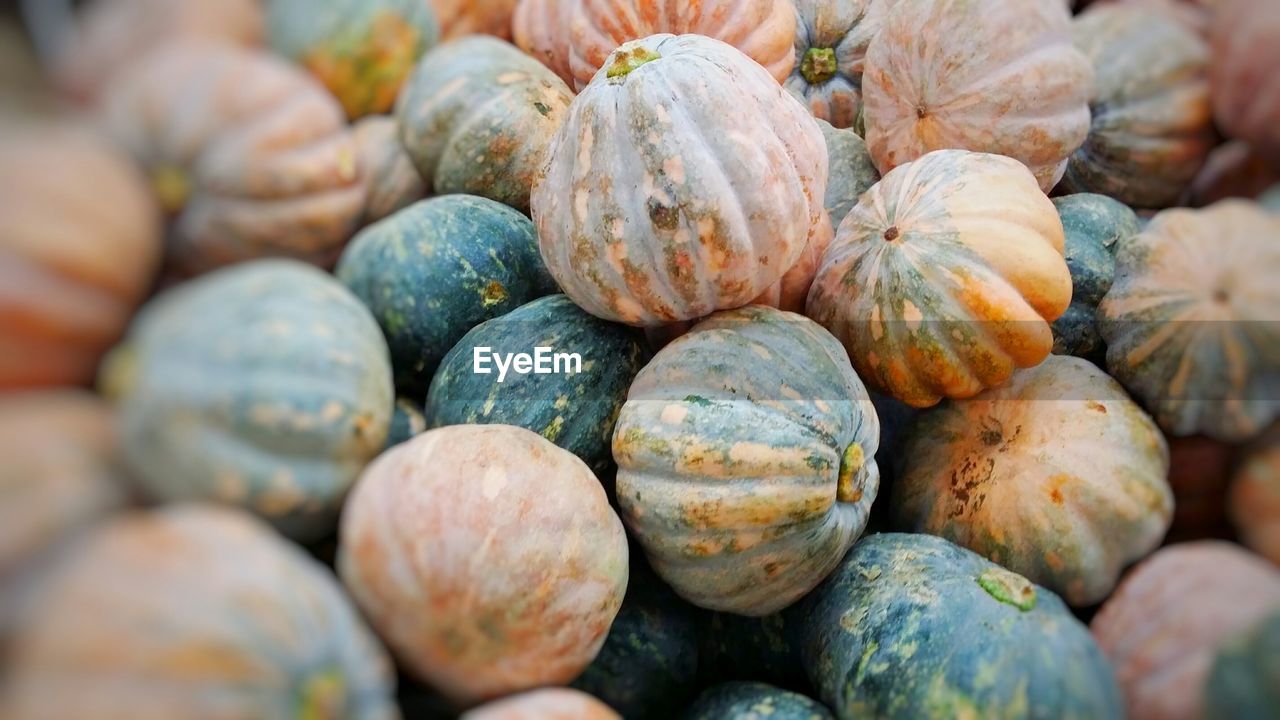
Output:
(850, 466)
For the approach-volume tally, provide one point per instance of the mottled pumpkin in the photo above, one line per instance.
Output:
(541, 29)
(544, 704)
(476, 117)
(79, 246)
(195, 612)
(1232, 170)
(1255, 496)
(995, 76)
(265, 385)
(391, 182)
(945, 277)
(912, 626)
(1190, 321)
(754, 701)
(1151, 128)
(467, 17)
(830, 50)
(656, 206)
(536, 610)
(267, 167)
(1093, 224)
(472, 259)
(850, 171)
(745, 460)
(1244, 681)
(1168, 618)
(1245, 36)
(407, 422)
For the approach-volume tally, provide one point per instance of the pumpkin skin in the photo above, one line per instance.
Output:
(468, 628)
(754, 701)
(1023, 91)
(1245, 37)
(746, 470)
(1189, 322)
(1093, 224)
(73, 208)
(851, 171)
(266, 385)
(1194, 15)
(476, 117)
(1152, 127)
(1244, 681)
(830, 51)
(476, 259)
(544, 704)
(718, 208)
(541, 29)
(268, 168)
(574, 410)
(913, 626)
(1168, 618)
(1255, 496)
(391, 182)
(468, 17)
(930, 294)
(407, 421)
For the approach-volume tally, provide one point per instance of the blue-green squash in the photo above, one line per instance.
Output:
(754, 701)
(407, 421)
(265, 385)
(438, 268)
(851, 171)
(912, 626)
(1093, 225)
(1244, 681)
(574, 404)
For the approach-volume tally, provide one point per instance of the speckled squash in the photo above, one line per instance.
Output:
(995, 76)
(391, 182)
(1168, 618)
(476, 117)
(267, 167)
(361, 50)
(1093, 224)
(196, 612)
(1058, 476)
(656, 206)
(1255, 496)
(541, 29)
(830, 48)
(536, 610)
(913, 626)
(407, 422)
(474, 259)
(945, 277)
(1190, 323)
(544, 704)
(1152, 126)
(754, 701)
(1245, 37)
(79, 246)
(745, 460)
(266, 385)
(574, 405)
(1244, 681)
(850, 171)
(479, 17)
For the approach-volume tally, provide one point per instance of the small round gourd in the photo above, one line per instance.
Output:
(1245, 39)
(830, 48)
(466, 17)
(1093, 224)
(1254, 501)
(745, 460)
(544, 704)
(391, 182)
(1244, 681)
(754, 701)
(850, 171)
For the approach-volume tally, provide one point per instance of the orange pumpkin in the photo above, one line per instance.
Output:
(1255, 496)
(1245, 35)
(467, 17)
(541, 29)
(545, 704)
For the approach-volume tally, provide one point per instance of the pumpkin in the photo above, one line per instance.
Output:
(360, 50)
(745, 460)
(1151, 129)
(913, 626)
(1194, 15)
(754, 701)
(1245, 37)
(1058, 476)
(851, 171)
(1168, 618)
(466, 17)
(1255, 496)
(1189, 323)
(1093, 224)
(1232, 170)
(761, 649)
(717, 207)
(473, 260)
(830, 49)
(572, 404)
(541, 29)
(1199, 475)
(266, 385)
(544, 704)
(534, 612)
(79, 246)
(945, 277)
(476, 117)
(195, 612)
(407, 421)
(995, 76)
(266, 168)
(391, 182)
(1244, 681)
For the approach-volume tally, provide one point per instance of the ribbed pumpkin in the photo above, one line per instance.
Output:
(541, 29)
(1093, 224)
(472, 259)
(267, 167)
(486, 557)
(201, 613)
(361, 50)
(1245, 36)
(467, 17)
(1058, 476)
(996, 76)
(407, 422)
(1255, 496)
(544, 704)
(745, 460)
(754, 701)
(266, 385)
(1151, 129)
(391, 182)
(850, 171)
(657, 206)
(1168, 618)
(1244, 681)
(830, 48)
(79, 246)
(945, 277)
(913, 626)
(476, 117)
(1190, 321)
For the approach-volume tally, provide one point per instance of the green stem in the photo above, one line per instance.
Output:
(818, 65)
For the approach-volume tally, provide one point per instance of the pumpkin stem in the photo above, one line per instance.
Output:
(1009, 588)
(173, 186)
(818, 65)
(322, 697)
(118, 372)
(850, 468)
(627, 58)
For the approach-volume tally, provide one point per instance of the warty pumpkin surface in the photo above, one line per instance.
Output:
(1094, 225)
(831, 47)
(1254, 501)
(1245, 37)
(544, 704)
(390, 179)
(480, 17)
(754, 701)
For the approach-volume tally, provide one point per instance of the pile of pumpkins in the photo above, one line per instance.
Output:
(928, 360)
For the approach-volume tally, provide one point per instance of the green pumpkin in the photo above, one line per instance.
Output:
(754, 701)
(265, 385)
(407, 421)
(477, 116)
(851, 171)
(1094, 224)
(574, 406)
(912, 626)
(438, 268)
(1244, 682)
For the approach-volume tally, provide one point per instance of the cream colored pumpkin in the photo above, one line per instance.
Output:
(467, 17)
(1254, 502)
(1245, 35)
